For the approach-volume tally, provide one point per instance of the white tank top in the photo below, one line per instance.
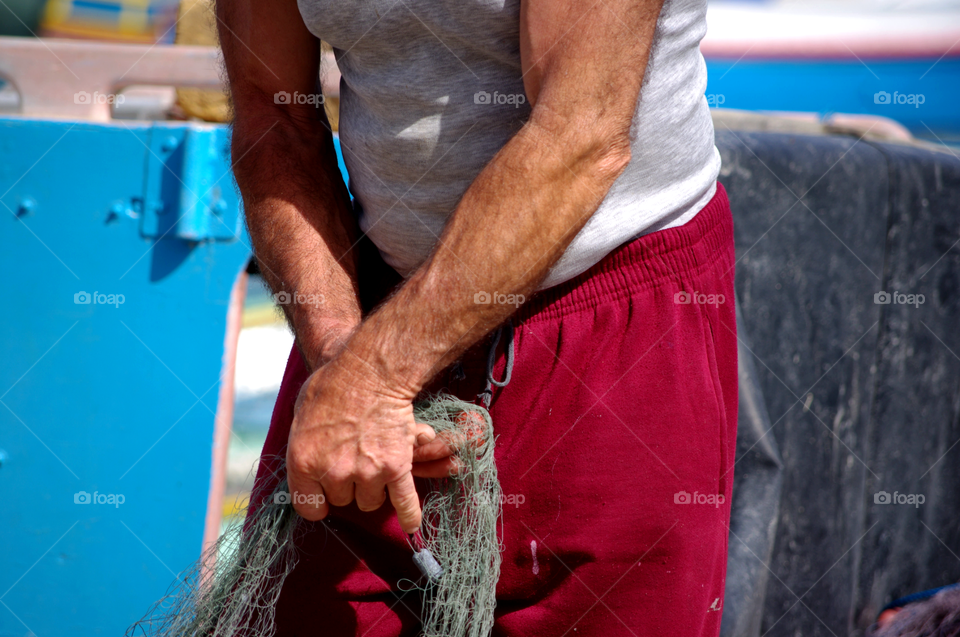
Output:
(432, 89)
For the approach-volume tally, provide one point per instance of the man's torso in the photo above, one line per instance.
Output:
(432, 89)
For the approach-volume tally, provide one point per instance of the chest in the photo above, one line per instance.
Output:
(491, 26)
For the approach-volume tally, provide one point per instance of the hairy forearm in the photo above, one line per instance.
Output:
(299, 219)
(511, 226)
(297, 208)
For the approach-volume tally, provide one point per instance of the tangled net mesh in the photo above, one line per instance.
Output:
(232, 590)
(460, 518)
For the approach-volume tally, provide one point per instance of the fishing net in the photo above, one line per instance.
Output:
(232, 591)
(459, 528)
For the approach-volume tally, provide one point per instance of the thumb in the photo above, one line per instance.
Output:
(425, 434)
(403, 496)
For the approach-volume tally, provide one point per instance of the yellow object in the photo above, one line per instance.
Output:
(197, 24)
(332, 107)
(236, 504)
(267, 314)
(135, 21)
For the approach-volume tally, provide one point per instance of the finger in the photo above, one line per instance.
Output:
(339, 490)
(308, 498)
(403, 495)
(439, 448)
(444, 468)
(425, 434)
(370, 496)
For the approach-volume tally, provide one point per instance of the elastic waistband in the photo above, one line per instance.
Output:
(675, 254)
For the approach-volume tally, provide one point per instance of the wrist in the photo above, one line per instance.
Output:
(376, 354)
(321, 339)
(415, 334)
(329, 345)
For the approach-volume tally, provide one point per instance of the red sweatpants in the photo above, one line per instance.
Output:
(615, 450)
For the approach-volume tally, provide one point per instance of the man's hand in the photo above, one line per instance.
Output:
(354, 437)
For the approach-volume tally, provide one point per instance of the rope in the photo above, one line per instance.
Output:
(486, 396)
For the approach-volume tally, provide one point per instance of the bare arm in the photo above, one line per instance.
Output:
(584, 63)
(296, 204)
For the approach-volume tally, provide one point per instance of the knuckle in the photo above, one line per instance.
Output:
(299, 463)
(368, 473)
(371, 504)
(396, 471)
(404, 499)
(338, 492)
(339, 500)
(310, 513)
(338, 474)
(409, 501)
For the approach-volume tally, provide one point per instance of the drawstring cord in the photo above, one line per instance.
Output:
(486, 396)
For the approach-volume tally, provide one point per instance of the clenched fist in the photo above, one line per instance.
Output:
(355, 438)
